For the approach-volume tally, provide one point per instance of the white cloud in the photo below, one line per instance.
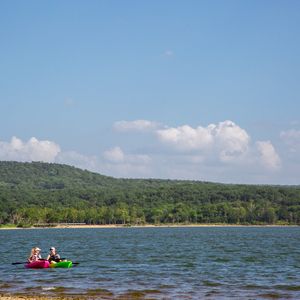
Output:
(228, 139)
(186, 138)
(115, 155)
(268, 155)
(76, 159)
(32, 150)
(292, 139)
(117, 163)
(232, 140)
(137, 125)
(220, 152)
(141, 159)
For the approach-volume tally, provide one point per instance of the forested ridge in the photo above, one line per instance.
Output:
(36, 192)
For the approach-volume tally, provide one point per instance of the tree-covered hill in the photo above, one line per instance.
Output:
(45, 193)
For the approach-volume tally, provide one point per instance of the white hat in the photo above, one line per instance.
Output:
(52, 248)
(38, 249)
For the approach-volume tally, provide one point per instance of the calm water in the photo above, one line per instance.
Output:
(158, 263)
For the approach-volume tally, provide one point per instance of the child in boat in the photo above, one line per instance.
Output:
(34, 255)
(53, 255)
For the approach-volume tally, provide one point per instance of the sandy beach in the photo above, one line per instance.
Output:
(147, 226)
(144, 226)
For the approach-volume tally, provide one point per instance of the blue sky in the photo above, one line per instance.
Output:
(205, 90)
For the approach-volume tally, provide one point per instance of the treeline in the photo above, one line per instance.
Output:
(250, 213)
(32, 193)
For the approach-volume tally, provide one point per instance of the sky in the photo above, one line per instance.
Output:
(197, 90)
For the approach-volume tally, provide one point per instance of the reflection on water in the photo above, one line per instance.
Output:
(158, 263)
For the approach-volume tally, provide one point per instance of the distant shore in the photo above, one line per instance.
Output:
(61, 226)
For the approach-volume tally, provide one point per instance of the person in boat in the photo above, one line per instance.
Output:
(34, 255)
(53, 255)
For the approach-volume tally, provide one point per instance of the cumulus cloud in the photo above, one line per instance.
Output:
(226, 137)
(232, 140)
(222, 150)
(186, 138)
(115, 155)
(118, 163)
(216, 152)
(137, 125)
(32, 150)
(268, 155)
(74, 158)
(292, 139)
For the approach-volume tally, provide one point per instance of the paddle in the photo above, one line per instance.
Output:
(23, 263)
(20, 263)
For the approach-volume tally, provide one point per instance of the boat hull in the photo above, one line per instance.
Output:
(61, 264)
(40, 264)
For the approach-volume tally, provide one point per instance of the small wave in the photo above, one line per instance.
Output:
(104, 279)
(6, 285)
(139, 294)
(288, 287)
(212, 293)
(62, 289)
(255, 287)
(152, 291)
(32, 288)
(211, 283)
(48, 288)
(222, 259)
(274, 296)
(189, 265)
(250, 259)
(167, 286)
(99, 292)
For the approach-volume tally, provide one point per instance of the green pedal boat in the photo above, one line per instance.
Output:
(61, 264)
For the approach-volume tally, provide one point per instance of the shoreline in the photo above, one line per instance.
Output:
(50, 297)
(38, 297)
(118, 226)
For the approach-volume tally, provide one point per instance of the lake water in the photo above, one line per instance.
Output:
(158, 263)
